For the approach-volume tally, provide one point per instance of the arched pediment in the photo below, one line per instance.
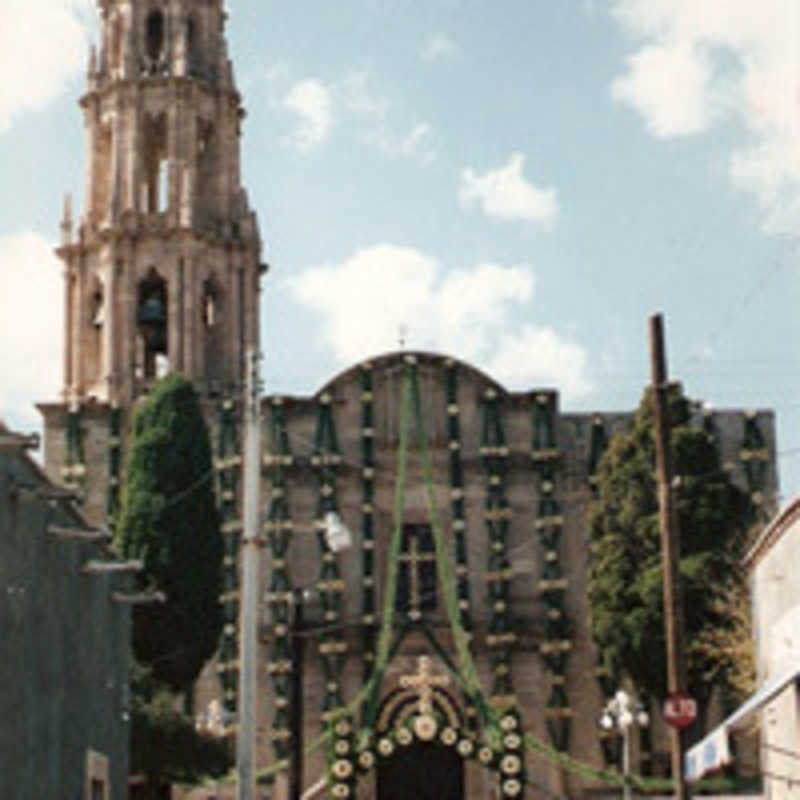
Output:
(397, 358)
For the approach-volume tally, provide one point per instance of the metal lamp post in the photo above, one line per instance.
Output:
(624, 711)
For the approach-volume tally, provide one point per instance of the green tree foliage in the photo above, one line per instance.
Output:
(166, 748)
(168, 518)
(625, 580)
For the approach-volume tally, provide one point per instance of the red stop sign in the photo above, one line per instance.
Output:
(680, 710)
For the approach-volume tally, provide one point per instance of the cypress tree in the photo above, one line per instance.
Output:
(168, 518)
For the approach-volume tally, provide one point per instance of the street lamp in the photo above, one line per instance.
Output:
(624, 711)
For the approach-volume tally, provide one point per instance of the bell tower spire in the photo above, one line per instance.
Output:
(162, 269)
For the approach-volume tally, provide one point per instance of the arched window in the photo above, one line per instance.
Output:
(151, 322)
(116, 42)
(98, 309)
(95, 360)
(156, 173)
(192, 48)
(154, 35)
(212, 309)
(207, 174)
(210, 304)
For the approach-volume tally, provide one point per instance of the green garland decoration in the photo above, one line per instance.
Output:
(501, 734)
(278, 529)
(369, 626)
(497, 514)
(457, 509)
(373, 687)
(228, 466)
(552, 585)
(332, 646)
(467, 673)
(530, 744)
(114, 462)
(501, 635)
(343, 760)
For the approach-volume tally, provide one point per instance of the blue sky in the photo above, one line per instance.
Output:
(520, 183)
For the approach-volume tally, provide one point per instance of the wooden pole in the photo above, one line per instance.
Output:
(670, 544)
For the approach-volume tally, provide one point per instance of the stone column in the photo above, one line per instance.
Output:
(189, 327)
(90, 124)
(174, 313)
(126, 308)
(77, 320)
(69, 379)
(115, 171)
(108, 358)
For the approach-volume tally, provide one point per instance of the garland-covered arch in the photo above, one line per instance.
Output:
(394, 358)
(495, 737)
(400, 725)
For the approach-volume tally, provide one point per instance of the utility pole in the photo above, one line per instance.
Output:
(670, 544)
(248, 598)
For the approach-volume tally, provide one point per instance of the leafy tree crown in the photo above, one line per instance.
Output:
(625, 589)
(168, 518)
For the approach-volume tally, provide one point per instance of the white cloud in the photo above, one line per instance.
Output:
(669, 86)
(44, 44)
(415, 143)
(311, 100)
(535, 356)
(358, 97)
(367, 300)
(439, 47)
(505, 193)
(31, 326)
(359, 111)
(698, 64)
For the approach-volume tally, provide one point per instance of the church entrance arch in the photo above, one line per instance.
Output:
(423, 764)
(421, 771)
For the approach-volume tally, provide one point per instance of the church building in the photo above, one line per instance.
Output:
(437, 646)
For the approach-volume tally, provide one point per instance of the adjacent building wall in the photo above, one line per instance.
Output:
(775, 585)
(65, 645)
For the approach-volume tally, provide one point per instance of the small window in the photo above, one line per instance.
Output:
(151, 322)
(154, 35)
(97, 776)
(162, 199)
(116, 42)
(192, 49)
(416, 577)
(210, 304)
(98, 309)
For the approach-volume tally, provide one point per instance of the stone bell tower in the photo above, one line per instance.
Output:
(162, 269)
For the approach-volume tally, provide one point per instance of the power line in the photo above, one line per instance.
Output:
(753, 292)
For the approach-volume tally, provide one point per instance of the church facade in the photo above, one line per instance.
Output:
(466, 505)
(445, 652)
